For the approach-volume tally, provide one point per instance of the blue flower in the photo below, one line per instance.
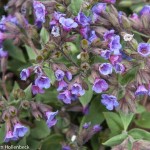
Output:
(115, 45)
(145, 11)
(68, 23)
(97, 128)
(19, 130)
(99, 8)
(62, 85)
(51, 121)
(144, 49)
(92, 36)
(65, 96)
(86, 125)
(109, 101)
(141, 90)
(3, 54)
(36, 90)
(77, 89)
(108, 35)
(119, 68)
(82, 19)
(59, 74)
(42, 82)
(105, 69)
(68, 75)
(105, 54)
(100, 85)
(25, 73)
(110, 1)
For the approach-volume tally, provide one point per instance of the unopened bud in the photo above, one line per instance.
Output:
(50, 46)
(145, 21)
(60, 8)
(25, 104)
(84, 44)
(5, 115)
(36, 114)
(73, 70)
(85, 66)
(12, 111)
(67, 2)
(125, 22)
(84, 56)
(39, 59)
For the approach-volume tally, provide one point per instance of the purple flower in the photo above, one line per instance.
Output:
(110, 1)
(68, 23)
(82, 19)
(99, 8)
(66, 148)
(2, 23)
(135, 17)
(115, 45)
(68, 75)
(86, 125)
(119, 68)
(10, 137)
(109, 35)
(61, 85)
(92, 36)
(100, 85)
(37, 90)
(144, 49)
(40, 12)
(97, 128)
(65, 96)
(145, 11)
(109, 101)
(3, 54)
(19, 130)
(25, 73)
(84, 31)
(2, 37)
(105, 54)
(105, 69)
(51, 121)
(77, 89)
(141, 90)
(42, 82)
(59, 74)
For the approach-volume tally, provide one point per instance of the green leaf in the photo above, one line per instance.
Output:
(2, 133)
(30, 52)
(86, 98)
(49, 72)
(33, 144)
(28, 92)
(128, 77)
(52, 142)
(114, 122)
(44, 35)
(40, 131)
(144, 120)
(139, 134)
(75, 6)
(71, 47)
(116, 140)
(14, 51)
(126, 119)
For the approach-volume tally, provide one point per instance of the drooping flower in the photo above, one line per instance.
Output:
(59, 74)
(43, 82)
(51, 121)
(110, 1)
(37, 90)
(105, 54)
(134, 17)
(24, 74)
(68, 23)
(77, 89)
(68, 75)
(119, 68)
(109, 35)
(92, 36)
(145, 10)
(84, 31)
(10, 137)
(40, 12)
(86, 125)
(99, 8)
(97, 128)
(65, 96)
(115, 45)
(66, 148)
(100, 85)
(19, 130)
(141, 90)
(82, 19)
(62, 85)
(115, 59)
(105, 68)
(109, 101)
(3, 54)
(144, 49)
